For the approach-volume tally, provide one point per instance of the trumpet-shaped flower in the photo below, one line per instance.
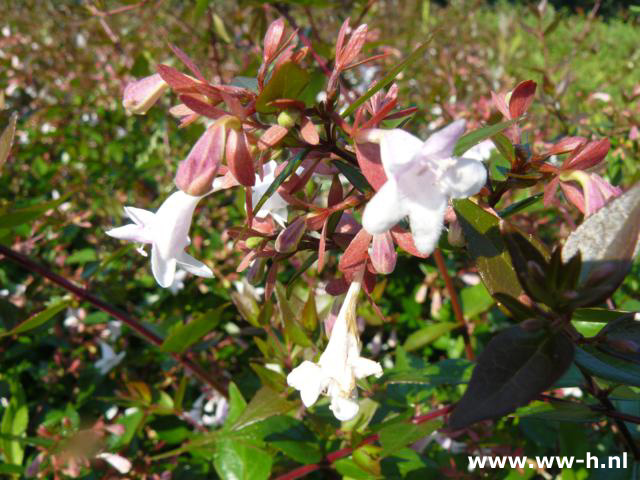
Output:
(339, 366)
(421, 179)
(167, 232)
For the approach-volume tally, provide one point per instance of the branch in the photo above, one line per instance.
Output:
(136, 326)
(338, 454)
(455, 303)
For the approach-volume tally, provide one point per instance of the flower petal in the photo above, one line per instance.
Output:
(163, 269)
(307, 378)
(193, 266)
(131, 232)
(363, 367)
(344, 409)
(463, 179)
(441, 143)
(384, 209)
(139, 215)
(397, 149)
(172, 223)
(426, 220)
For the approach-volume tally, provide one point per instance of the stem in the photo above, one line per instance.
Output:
(136, 326)
(455, 303)
(610, 411)
(338, 454)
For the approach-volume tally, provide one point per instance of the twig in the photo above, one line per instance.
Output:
(136, 326)
(338, 454)
(455, 303)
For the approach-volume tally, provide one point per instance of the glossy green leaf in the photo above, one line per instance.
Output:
(265, 403)
(182, 335)
(505, 147)
(237, 404)
(475, 300)
(14, 424)
(608, 366)
(486, 247)
(39, 318)
(470, 139)
(515, 366)
(397, 435)
(240, 460)
(291, 167)
(426, 335)
(294, 439)
(288, 81)
(355, 177)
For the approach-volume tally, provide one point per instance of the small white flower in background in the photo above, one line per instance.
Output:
(339, 366)
(121, 464)
(167, 231)
(421, 179)
(213, 413)
(108, 358)
(481, 151)
(275, 204)
(178, 282)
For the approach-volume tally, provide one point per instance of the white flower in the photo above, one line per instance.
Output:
(481, 151)
(118, 462)
(211, 414)
(178, 282)
(275, 204)
(421, 179)
(108, 359)
(339, 366)
(167, 231)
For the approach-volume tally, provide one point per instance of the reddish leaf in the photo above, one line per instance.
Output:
(588, 156)
(308, 131)
(354, 257)
(335, 192)
(368, 155)
(567, 144)
(337, 286)
(521, 98)
(369, 281)
(501, 105)
(550, 191)
(270, 284)
(177, 80)
(272, 39)
(272, 136)
(202, 108)
(188, 62)
(404, 240)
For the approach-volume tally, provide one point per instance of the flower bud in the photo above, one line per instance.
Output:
(455, 236)
(239, 158)
(289, 238)
(256, 270)
(196, 173)
(288, 118)
(383, 253)
(141, 95)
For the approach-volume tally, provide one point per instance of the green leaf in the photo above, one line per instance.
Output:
(294, 439)
(39, 318)
(614, 334)
(473, 138)
(240, 460)
(27, 214)
(609, 367)
(426, 335)
(292, 329)
(14, 424)
(182, 336)
(388, 78)
(81, 256)
(292, 165)
(487, 249)
(452, 371)
(266, 403)
(515, 366)
(521, 205)
(355, 177)
(310, 312)
(600, 315)
(505, 147)
(475, 300)
(237, 404)
(397, 435)
(131, 422)
(288, 81)
(219, 29)
(350, 470)
(310, 260)
(559, 411)
(6, 140)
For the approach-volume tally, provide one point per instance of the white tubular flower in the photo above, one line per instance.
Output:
(108, 358)
(421, 179)
(339, 366)
(275, 204)
(167, 232)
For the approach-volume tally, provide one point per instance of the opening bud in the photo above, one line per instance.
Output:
(289, 238)
(383, 253)
(196, 173)
(141, 95)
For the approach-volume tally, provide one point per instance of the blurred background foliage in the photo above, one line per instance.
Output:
(63, 66)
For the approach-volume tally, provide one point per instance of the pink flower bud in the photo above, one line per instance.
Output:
(196, 173)
(239, 158)
(141, 95)
(383, 253)
(289, 238)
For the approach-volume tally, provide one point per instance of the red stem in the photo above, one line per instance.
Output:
(336, 455)
(140, 329)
